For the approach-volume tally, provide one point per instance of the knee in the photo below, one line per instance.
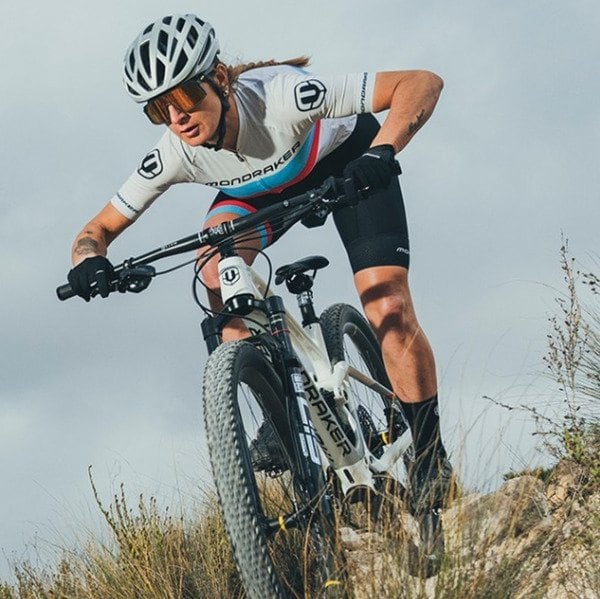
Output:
(390, 309)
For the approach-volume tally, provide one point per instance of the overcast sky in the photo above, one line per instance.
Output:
(508, 161)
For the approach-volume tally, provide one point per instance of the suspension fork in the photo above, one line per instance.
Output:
(305, 435)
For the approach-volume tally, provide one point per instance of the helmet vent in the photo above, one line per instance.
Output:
(160, 72)
(192, 36)
(148, 29)
(142, 82)
(181, 64)
(132, 61)
(145, 56)
(167, 20)
(180, 24)
(163, 42)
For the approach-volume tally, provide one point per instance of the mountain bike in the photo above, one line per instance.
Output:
(316, 391)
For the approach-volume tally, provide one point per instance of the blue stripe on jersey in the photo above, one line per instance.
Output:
(288, 173)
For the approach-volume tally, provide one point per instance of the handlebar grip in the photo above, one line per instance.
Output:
(64, 292)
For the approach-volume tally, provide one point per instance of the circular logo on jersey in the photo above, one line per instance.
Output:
(309, 94)
(230, 276)
(151, 166)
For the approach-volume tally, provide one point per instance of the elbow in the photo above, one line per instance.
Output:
(433, 81)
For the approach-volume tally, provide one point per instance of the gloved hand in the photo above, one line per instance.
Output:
(96, 271)
(371, 171)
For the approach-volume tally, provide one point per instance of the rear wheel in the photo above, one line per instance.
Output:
(280, 526)
(349, 337)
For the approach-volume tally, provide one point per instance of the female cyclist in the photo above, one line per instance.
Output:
(261, 132)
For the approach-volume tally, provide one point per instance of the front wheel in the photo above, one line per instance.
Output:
(282, 544)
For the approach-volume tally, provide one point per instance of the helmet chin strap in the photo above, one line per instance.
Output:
(225, 105)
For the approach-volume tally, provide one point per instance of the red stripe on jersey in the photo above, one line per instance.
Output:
(310, 163)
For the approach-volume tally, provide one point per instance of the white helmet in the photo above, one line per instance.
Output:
(166, 53)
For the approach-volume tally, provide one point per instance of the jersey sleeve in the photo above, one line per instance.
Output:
(302, 97)
(162, 167)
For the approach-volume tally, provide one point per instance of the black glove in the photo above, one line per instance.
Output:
(371, 171)
(95, 272)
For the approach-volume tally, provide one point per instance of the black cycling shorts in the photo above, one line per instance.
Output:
(374, 232)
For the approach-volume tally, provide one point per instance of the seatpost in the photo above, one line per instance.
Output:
(307, 308)
(301, 286)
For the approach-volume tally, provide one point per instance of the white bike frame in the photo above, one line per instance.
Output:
(352, 462)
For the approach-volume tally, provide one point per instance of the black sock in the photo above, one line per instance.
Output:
(424, 421)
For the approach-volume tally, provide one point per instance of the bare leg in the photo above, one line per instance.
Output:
(410, 365)
(407, 355)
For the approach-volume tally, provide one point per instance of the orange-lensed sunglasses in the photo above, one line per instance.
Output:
(186, 97)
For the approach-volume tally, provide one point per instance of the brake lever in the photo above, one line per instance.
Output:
(135, 278)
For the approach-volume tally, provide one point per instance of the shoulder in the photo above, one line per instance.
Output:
(286, 91)
(300, 95)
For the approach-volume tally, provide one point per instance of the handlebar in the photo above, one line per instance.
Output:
(321, 201)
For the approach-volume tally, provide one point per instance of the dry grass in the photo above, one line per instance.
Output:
(152, 555)
(518, 542)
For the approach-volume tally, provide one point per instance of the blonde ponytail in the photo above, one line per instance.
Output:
(233, 72)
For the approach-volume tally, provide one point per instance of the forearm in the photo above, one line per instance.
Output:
(413, 99)
(98, 234)
(93, 240)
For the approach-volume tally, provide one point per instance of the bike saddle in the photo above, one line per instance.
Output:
(299, 267)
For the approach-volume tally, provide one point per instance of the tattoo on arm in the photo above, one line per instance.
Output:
(416, 125)
(86, 245)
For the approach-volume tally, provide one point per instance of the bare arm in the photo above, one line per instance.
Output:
(96, 236)
(410, 97)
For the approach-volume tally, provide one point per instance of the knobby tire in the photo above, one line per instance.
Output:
(241, 390)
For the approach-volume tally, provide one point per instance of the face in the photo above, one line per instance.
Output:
(191, 110)
(199, 126)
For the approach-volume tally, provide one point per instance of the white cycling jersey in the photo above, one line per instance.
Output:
(289, 120)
